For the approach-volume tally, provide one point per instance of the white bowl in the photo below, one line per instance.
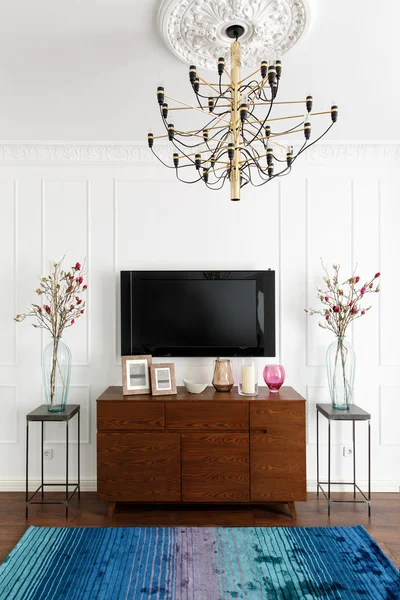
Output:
(194, 387)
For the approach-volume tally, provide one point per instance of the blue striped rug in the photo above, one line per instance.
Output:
(183, 563)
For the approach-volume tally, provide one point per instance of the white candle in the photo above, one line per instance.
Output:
(248, 386)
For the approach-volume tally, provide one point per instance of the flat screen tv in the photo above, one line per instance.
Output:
(198, 313)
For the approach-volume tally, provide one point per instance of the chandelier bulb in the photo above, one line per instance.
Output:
(205, 174)
(160, 95)
(309, 103)
(263, 69)
(211, 104)
(289, 156)
(271, 74)
(270, 155)
(175, 158)
(212, 160)
(231, 150)
(196, 85)
(270, 170)
(274, 89)
(197, 161)
(278, 68)
(307, 130)
(221, 65)
(192, 73)
(205, 135)
(267, 131)
(171, 131)
(150, 139)
(164, 110)
(334, 113)
(243, 107)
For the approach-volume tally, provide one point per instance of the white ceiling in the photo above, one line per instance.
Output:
(86, 70)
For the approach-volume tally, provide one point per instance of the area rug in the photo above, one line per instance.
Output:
(277, 563)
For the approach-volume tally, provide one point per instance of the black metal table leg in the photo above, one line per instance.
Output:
(369, 467)
(79, 455)
(354, 459)
(42, 458)
(329, 468)
(317, 454)
(66, 469)
(26, 462)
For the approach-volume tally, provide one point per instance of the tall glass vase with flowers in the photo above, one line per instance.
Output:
(341, 304)
(60, 306)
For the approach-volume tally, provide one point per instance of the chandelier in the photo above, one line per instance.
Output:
(237, 144)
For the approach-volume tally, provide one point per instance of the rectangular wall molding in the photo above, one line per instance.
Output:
(9, 414)
(113, 204)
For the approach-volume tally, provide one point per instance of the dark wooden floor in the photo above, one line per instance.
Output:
(384, 524)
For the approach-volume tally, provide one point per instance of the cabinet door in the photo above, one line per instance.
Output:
(139, 467)
(215, 467)
(278, 451)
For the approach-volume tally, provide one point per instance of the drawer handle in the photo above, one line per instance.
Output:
(265, 431)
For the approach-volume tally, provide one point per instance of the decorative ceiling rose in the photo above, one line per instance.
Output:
(195, 30)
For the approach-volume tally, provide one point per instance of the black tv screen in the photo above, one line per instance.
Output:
(197, 313)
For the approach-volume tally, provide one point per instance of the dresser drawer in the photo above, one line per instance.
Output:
(216, 416)
(283, 423)
(132, 415)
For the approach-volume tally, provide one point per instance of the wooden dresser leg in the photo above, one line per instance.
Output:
(292, 509)
(111, 508)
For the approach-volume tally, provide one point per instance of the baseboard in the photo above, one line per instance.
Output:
(90, 485)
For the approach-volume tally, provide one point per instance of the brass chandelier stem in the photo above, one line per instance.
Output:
(235, 129)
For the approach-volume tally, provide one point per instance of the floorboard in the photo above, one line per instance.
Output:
(384, 524)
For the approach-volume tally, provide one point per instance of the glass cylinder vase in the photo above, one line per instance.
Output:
(56, 373)
(340, 364)
(248, 378)
(274, 377)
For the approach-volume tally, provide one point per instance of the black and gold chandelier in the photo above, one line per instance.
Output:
(235, 144)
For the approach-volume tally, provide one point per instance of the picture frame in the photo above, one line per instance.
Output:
(163, 380)
(136, 374)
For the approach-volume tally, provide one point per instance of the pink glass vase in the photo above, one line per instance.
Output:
(274, 376)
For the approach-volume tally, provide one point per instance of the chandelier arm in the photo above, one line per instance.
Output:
(209, 185)
(263, 87)
(189, 105)
(313, 142)
(291, 129)
(161, 161)
(221, 141)
(209, 84)
(194, 131)
(183, 181)
(252, 148)
(263, 123)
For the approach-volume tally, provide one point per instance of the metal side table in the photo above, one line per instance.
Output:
(354, 413)
(43, 415)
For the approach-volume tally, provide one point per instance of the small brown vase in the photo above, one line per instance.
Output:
(223, 378)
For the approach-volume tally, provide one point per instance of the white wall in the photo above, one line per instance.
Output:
(110, 204)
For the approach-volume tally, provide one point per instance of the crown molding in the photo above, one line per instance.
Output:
(126, 153)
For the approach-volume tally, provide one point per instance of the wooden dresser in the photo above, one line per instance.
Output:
(210, 447)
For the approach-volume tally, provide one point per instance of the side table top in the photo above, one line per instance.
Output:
(41, 413)
(353, 413)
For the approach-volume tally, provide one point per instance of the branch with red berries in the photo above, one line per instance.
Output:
(342, 301)
(60, 299)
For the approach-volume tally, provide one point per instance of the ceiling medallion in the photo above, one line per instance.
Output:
(195, 30)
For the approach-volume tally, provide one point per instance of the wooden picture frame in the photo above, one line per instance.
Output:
(163, 380)
(136, 374)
